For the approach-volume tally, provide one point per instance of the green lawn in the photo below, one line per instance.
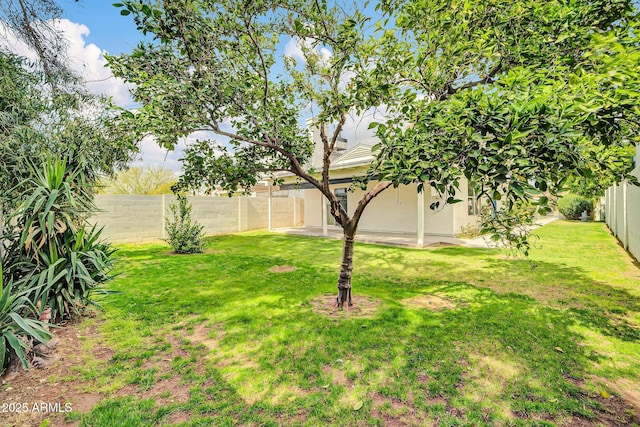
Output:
(219, 339)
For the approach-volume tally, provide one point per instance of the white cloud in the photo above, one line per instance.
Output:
(152, 154)
(356, 127)
(295, 48)
(87, 60)
(14, 44)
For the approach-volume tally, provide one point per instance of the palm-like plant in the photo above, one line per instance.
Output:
(18, 323)
(58, 258)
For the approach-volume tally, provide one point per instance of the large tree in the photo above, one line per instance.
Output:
(483, 89)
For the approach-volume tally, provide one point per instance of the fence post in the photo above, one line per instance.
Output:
(269, 210)
(625, 216)
(420, 225)
(164, 217)
(240, 213)
(324, 200)
(614, 217)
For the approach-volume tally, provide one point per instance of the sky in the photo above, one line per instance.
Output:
(95, 27)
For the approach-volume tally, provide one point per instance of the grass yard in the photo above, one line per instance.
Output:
(237, 336)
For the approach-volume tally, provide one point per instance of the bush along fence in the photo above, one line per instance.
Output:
(130, 218)
(622, 213)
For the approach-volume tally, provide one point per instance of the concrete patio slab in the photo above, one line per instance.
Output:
(407, 240)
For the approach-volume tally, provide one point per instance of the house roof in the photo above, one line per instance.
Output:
(358, 155)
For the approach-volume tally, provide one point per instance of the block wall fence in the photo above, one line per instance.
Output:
(130, 218)
(622, 212)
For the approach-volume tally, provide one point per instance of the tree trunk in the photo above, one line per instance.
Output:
(344, 280)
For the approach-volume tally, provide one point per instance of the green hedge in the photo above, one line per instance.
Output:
(572, 206)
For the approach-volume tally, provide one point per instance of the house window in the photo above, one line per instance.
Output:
(341, 194)
(473, 200)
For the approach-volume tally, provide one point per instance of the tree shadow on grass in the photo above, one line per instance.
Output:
(525, 353)
(595, 304)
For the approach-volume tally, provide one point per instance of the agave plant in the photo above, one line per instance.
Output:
(58, 259)
(69, 278)
(18, 323)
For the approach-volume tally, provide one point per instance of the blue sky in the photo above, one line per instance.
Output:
(108, 29)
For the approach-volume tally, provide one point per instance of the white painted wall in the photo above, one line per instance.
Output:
(313, 208)
(395, 210)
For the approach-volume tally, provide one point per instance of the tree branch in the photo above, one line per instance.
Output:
(263, 63)
(449, 90)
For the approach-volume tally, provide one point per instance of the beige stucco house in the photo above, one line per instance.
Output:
(395, 210)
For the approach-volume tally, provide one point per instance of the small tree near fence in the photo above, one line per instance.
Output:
(185, 235)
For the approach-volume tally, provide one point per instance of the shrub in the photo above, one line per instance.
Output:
(18, 324)
(185, 236)
(469, 231)
(56, 259)
(572, 206)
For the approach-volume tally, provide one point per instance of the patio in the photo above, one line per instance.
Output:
(408, 240)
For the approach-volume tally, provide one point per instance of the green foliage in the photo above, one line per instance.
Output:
(37, 121)
(139, 180)
(228, 53)
(509, 227)
(53, 254)
(518, 96)
(572, 206)
(185, 236)
(18, 323)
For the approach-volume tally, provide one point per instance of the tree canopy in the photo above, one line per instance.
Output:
(147, 180)
(514, 95)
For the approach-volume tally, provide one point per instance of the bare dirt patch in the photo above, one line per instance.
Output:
(338, 375)
(214, 251)
(207, 336)
(396, 413)
(283, 269)
(629, 390)
(61, 383)
(363, 306)
(206, 251)
(56, 383)
(179, 417)
(432, 302)
(170, 391)
(614, 411)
